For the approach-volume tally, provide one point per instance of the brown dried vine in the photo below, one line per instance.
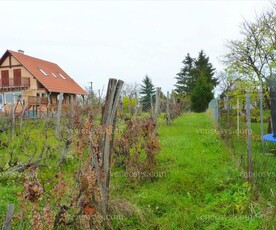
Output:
(137, 147)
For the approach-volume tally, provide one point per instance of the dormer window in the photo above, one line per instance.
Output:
(54, 75)
(62, 76)
(43, 72)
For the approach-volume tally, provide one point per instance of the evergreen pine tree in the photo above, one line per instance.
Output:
(190, 73)
(203, 66)
(196, 79)
(202, 94)
(185, 78)
(147, 89)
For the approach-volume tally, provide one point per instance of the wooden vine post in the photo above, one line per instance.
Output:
(151, 106)
(72, 105)
(8, 222)
(156, 108)
(60, 97)
(12, 118)
(101, 162)
(39, 104)
(168, 118)
(249, 143)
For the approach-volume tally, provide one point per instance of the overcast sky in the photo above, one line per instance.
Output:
(93, 40)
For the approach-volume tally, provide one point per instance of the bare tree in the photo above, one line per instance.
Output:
(224, 83)
(254, 55)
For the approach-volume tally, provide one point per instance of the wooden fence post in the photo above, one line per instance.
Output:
(72, 104)
(8, 221)
(151, 106)
(168, 119)
(261, 109)
(157, 108)
(238, 116)
(39, 104)
(218, 112)
(108, 120)
(249, 146)
(59, 114)
(228, 121)
(12, 117)
(99, 102)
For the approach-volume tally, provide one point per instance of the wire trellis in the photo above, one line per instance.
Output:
(242, 124)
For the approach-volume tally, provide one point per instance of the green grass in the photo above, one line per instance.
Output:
(201, 188)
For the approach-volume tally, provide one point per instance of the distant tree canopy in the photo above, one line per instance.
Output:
(196, 79)
(129, 104)
(147, 89)
(252, 58)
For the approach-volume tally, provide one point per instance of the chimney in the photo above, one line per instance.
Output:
(21, 51)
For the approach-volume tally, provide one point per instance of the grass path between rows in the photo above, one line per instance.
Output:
(200, 188)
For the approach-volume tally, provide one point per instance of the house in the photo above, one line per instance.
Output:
(35, 81)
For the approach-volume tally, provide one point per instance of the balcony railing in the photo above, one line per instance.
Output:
(14, 84)
(32, 100)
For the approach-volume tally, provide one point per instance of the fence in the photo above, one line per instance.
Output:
(241, 121)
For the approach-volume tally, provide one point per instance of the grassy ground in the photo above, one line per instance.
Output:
(197, 185)
(200, 189)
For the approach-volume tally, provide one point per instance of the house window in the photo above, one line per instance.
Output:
(62, 76)
(41, 94)
(43, 72)
(54, 75)
(12, 97)
(9, 97)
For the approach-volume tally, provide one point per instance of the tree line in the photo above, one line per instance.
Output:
(195, 82)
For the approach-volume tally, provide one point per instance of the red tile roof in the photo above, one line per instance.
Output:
(50, 82)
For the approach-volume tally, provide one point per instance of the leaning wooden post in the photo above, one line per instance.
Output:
(108, 121)
(156, 109)
(168, 119)
(60, 98)
(8, 221)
